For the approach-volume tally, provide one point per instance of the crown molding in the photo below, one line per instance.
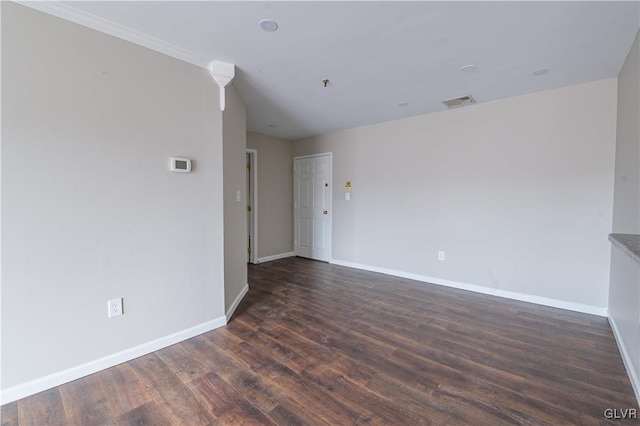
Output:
(223, 73)
(97, 23)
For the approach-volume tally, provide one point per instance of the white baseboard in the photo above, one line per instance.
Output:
(275, 257)
(555, 303)
(236, 302)
(626, 359)
(56, 379)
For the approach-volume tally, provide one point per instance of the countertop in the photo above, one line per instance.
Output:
(628, 243)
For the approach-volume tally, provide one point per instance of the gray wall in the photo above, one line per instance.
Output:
(90, 210)
(517, 192)
(624, 290)
(235, 212)
(275, 193)
(626, 205)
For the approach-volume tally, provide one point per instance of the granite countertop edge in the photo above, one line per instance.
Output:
(628, 243)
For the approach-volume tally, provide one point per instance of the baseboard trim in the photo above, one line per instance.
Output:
(56, 379)
(275, 257)
(555, 303)
(626, 359)
(236, 302)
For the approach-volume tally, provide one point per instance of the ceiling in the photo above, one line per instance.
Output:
(384, 60)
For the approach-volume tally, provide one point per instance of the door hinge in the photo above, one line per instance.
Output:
(248, 208)
(249, 250)
(248, 165)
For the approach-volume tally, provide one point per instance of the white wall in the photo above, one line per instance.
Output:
(624, 291)
(275, 194)
(517, 192)
(90, 210)
(235, 212)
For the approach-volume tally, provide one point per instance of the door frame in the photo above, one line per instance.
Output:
(252, 200)
(330, 179)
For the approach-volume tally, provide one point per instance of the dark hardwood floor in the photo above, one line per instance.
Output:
(314, 343)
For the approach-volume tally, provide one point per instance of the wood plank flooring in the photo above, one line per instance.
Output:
(314, 343)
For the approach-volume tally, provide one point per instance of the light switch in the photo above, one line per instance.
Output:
(347, 196)
(238, 196)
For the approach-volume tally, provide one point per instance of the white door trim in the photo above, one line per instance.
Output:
(330, 179)
(253, 202)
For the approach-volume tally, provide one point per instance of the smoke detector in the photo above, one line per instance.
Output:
(458, 102)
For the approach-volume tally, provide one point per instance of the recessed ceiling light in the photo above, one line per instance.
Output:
(273, 126)
(268, 25)
(403, 104)
(541, 71)
(468, 68)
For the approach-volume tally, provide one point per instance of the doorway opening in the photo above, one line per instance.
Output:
(252, 206)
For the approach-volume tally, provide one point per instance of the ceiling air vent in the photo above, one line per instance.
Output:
(458, 102)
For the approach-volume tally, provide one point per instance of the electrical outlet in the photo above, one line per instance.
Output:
(440, 255)
(115, 307)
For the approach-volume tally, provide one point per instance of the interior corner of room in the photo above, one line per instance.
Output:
(514, 197)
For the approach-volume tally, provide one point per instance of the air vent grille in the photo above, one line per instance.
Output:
(458, 102)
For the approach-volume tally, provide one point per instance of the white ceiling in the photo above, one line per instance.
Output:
(376, 54)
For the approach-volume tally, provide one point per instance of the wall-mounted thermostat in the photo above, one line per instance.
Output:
(181, 165)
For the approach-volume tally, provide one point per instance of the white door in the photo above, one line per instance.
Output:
(312, 206)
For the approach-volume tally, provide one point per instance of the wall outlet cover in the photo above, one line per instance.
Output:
(115, 307)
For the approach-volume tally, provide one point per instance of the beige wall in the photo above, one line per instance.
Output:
(275, 194)
(624, 291)
(90, 210)
(235, 212)
(517, 192)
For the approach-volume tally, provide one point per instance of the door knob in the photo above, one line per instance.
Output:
(325, 212)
